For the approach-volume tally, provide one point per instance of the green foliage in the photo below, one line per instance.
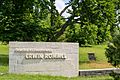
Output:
(113, 51)
(90, 21)
(113, 54)
(84, 35)
(116, 76)
(19, 20)
(100, 13)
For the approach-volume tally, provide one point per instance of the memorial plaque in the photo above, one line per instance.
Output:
(47, 58)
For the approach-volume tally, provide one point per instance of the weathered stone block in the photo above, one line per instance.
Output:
(49, 58)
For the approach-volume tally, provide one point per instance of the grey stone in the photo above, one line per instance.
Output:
(47, 58)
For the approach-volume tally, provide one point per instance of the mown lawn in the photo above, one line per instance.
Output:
(3, 49)
(42, 77)
(101, 62)
(4, 58)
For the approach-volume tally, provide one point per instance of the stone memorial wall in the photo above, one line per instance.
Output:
(47, 58)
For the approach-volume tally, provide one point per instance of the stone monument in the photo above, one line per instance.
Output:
(46, 58)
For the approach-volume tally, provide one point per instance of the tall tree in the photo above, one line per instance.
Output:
(20, 18)
(98, 12)
(40, 20)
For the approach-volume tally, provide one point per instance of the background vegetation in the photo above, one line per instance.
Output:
(113, 55)
(90, 21)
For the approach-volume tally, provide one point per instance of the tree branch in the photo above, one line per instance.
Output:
(64, 9)
(63, 27)
(72, 2)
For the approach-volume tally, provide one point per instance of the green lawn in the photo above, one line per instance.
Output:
(4, 58)
(4, 49)
(41, 77)
(101, 60)
(97, 49)
(84, 64)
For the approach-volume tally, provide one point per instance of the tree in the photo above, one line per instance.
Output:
(88, 13)
(20, 19)
(98, 12)
(42, 19)
(85, 35)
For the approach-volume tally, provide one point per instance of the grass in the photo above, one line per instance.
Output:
(45, 77)
(97, 49)
(4, 58)
(4, 49)
(101, 62)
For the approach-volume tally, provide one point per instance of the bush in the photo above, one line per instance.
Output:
(113, 54)
(115, 75)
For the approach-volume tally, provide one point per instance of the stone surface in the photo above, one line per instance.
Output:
(91, 72)
(47, 58)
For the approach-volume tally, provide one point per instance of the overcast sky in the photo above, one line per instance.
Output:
(60, 4)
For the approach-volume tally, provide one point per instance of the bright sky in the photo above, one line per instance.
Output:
(60, 4)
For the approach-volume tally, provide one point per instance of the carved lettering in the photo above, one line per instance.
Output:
(32, 50)
(33, 56)
(44, 56)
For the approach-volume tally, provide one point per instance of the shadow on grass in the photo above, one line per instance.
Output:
(82, 62)
(4, 60)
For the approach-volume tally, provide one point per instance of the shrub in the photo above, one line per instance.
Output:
(113, 55)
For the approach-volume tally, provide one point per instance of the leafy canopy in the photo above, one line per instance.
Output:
(90, 21)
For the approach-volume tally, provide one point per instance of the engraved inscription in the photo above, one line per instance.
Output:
(45, 56)
(32, 50)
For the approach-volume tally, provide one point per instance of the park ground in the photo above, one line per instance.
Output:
(84, 63)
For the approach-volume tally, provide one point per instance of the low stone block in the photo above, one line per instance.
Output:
(47, 58)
